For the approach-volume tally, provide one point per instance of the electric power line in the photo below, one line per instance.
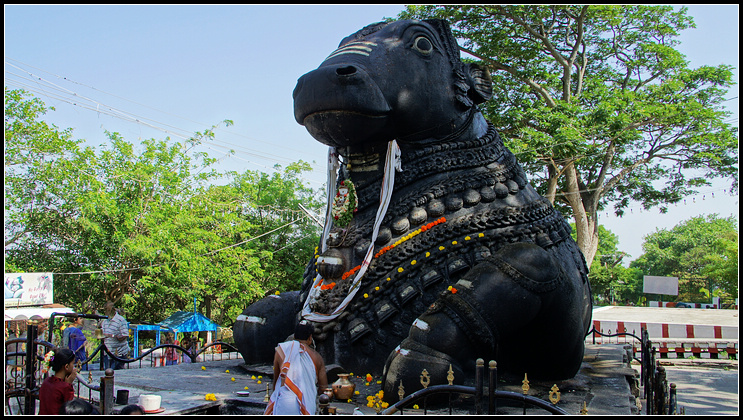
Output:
(202, 255)
(155, 109)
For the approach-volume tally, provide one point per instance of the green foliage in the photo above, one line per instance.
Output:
(702, 252)
(599, 97)
(35, 158)
(146, 226)
(610, 281)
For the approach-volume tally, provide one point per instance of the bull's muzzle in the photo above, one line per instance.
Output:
(340, 105)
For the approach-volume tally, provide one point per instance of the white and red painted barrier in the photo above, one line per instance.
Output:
(657, 331)
(656, 304)
(682, 350)
(673, 340)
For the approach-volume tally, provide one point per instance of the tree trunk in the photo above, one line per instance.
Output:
(208, 306)
(589, 250)
(585, 223)
(551, 183)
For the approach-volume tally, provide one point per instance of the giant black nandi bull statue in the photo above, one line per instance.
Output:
(436, 251)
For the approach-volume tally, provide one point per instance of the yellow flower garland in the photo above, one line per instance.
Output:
(399, 269)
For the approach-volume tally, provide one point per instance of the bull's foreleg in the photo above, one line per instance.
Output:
(494, 301)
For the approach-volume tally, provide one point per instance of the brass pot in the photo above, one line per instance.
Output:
(343, 388)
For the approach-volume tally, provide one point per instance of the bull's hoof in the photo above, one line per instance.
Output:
(406, 366)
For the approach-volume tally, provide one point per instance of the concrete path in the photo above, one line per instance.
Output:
(184, 387)
(601, 383)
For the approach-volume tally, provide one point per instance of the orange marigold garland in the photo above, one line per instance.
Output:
(410, 236)
(351, 272)
(379, 253)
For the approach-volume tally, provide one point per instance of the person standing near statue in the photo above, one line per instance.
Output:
(171, 354)
(66, 335)
(116, 336)
(76, 341)
(298, 371)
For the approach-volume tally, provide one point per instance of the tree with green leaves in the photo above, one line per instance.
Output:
(597, 103)
(35, 159)
(702, 252)
(146, 226)
(611, 282)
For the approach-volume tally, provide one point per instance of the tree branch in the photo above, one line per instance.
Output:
(560, 59)
(500, 66)
(16, 237)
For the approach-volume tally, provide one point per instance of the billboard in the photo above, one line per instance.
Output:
(28, 289)
(660, 285)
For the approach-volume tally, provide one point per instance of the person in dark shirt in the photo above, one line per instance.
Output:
(57, 389)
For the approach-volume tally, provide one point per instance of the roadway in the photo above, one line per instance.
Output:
(705, 391)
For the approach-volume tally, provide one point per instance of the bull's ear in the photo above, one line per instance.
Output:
(481, 84)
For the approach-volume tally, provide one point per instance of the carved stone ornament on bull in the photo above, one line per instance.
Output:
(436, 251)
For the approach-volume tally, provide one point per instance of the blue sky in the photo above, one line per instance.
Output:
(181, 69)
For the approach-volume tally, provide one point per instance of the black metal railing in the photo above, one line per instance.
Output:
(477, 391)
(192, 355)
(660, 396)
(26, 373)
(624, 333)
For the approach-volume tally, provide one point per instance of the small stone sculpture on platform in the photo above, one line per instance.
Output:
(436, 250)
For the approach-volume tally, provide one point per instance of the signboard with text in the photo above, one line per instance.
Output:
(28, 289)
(660, 285)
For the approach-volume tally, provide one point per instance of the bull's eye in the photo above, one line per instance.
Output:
(422, 45)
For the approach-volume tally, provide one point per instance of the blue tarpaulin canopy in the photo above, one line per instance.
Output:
(183, 321)
(144, 327)
(179, 322)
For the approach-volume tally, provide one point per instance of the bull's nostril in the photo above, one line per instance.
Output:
(345, 71)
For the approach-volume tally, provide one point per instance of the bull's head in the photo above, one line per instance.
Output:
(402, 80)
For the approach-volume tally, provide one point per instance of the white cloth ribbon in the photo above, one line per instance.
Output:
(333, 165)
(392, 164)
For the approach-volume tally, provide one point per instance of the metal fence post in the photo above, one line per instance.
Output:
(30, 374)
(646, 365)
(107, 392)
(324, 401)
(672, 400)
(101, 362)
(593, 331)
(492, 383)
(479, 368)
(661, 392)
